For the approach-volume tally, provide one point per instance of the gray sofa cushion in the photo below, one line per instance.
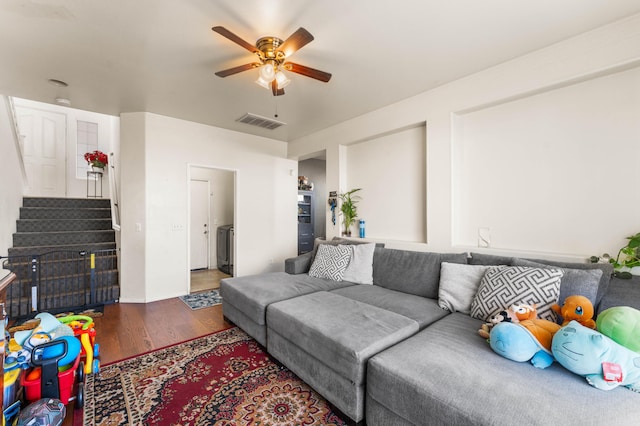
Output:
(489, 259)
(424, 311)
(622, 293)
(412, 272)
(252, 294)
(606, 268)
(342, 332)
(299, 264)
(447, 374)
(584, 282)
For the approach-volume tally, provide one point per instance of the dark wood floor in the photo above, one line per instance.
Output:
(129, 329)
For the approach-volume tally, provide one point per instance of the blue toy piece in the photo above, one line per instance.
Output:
(516, 343)
(589, 353)
(73, 350)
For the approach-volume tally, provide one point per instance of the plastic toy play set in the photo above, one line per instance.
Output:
(50, 363)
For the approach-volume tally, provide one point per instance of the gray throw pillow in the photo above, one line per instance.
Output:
(584, 282)
(503, 286)
(458, 285)
(360, 269)
(330, 262)
(606, 268)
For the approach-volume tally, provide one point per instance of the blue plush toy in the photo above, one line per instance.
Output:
(517, 343)
(604, 363)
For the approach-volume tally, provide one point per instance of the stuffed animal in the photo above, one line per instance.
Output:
(528, 340)
(604, 363)
(515, 313)
(622, 325)
(502, 316)
(576, 308)
(525, 312)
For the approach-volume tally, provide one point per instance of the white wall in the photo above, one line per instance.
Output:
(541, 171)
(164, 148)
(11, 179)
(391, 170)
(590, 56)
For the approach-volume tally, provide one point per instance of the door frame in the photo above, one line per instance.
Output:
(236, 261)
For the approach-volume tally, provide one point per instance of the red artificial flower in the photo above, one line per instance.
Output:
(97, 159)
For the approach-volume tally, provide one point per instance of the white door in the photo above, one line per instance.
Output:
(43, 147)
(199, 224)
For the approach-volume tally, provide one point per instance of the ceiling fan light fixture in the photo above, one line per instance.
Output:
(262, 82)
(267, 72)
(282, 80)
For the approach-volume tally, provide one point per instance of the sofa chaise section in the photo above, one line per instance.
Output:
(245, 299)
(327, 339)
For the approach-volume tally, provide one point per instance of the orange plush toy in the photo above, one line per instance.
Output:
(577, 308)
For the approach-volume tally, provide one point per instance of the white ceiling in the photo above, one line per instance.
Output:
(160, 55)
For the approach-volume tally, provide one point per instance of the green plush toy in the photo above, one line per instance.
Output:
(622, 325)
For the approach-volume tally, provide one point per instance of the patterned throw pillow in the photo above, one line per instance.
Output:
(331, 262)
(502, 287)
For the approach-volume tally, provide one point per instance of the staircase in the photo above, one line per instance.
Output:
(56, 243)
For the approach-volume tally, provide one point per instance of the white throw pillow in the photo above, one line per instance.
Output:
(360, 269)
(330, 262)
(458, 285)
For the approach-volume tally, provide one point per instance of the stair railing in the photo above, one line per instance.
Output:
(113, 191)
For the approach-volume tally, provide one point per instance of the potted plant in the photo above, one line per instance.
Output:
(97, 160)
(349, 209)
(627, 262)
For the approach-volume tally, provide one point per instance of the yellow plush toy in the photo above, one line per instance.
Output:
(576, 308)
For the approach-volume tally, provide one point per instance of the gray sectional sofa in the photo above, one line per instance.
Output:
(389, 354)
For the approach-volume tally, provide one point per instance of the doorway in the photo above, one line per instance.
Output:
(315, 170)
(44, 139)
(211, 209)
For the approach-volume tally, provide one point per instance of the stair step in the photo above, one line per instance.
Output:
(70, 203)
(28, 239)
(56, 225)
(25, 251)
(64, 213)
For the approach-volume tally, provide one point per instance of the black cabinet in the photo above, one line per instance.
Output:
(305, 221)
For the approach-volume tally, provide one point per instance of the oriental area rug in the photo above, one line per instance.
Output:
(222, 379)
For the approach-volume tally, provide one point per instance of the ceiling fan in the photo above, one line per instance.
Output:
(272, 55)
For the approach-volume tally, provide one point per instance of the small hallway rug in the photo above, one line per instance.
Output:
(221, 379)
(202, 300)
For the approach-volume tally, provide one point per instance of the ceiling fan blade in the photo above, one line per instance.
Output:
(275, 90)
(236, 70)
(307, 71)
(296, 41)
(234, 38)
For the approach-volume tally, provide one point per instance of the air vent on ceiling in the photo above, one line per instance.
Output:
(257, 120)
